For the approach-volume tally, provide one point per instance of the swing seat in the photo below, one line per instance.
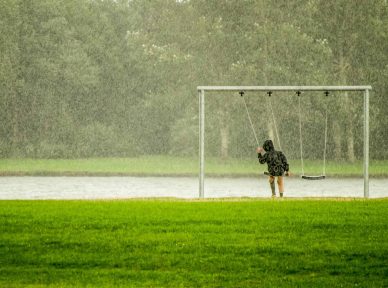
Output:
(320, 177)
(267, 173)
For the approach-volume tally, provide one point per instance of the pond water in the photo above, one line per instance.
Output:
(179, 187)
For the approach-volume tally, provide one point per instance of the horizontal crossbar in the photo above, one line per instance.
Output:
(284, 88)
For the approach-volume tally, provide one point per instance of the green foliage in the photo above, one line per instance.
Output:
(162, 243)
(99, 140)
(184, 136)
(127, 71)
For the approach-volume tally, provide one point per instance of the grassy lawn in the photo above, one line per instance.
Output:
(166, 165)
(171, 243)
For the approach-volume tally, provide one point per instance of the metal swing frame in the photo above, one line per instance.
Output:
(201, 97)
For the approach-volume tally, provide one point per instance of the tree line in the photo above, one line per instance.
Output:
(94, 78)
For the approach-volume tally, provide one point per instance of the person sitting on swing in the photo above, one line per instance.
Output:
(277, 165)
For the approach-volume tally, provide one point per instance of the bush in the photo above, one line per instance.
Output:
(52, 150)
(99, 140)
(184, 137)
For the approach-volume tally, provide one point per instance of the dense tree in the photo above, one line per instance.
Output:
(10, 83)
(350, 30)
(87, 78)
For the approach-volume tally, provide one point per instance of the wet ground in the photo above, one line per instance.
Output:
(180, 187)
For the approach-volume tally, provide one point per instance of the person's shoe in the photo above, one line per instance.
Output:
(281, 195)
(273, 188)
(273, 196)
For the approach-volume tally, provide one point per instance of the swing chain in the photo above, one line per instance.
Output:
(273, 119)
(249, 117)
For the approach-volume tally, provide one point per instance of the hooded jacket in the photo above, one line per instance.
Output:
(276, 160)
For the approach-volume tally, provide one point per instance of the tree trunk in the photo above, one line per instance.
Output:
(224, 141)
(16, 135)
(347, 108)
(349, 128)
(350, 144)
(337, 140)
(224, 135)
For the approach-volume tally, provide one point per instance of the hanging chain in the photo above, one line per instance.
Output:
(249, 117)
(274, 120)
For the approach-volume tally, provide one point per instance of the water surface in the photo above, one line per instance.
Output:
(180, 187)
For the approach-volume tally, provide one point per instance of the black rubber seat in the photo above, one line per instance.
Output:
(320, 177)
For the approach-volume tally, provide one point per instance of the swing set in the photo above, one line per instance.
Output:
(303, 176)
(298, 90)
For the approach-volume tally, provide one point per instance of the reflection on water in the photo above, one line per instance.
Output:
(134, 187)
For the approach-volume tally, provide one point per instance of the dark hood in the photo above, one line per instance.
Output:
(268, 146)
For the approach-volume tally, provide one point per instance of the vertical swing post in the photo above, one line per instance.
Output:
(325, 143)
(300, 132)
(366, 143)
(201, 97)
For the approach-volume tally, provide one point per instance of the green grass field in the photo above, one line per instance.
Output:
(175, 166)
(171, 243)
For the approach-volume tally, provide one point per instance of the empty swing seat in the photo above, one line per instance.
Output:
(320, 177)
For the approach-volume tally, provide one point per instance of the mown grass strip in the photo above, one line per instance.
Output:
(175, 166)
(164, 243)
